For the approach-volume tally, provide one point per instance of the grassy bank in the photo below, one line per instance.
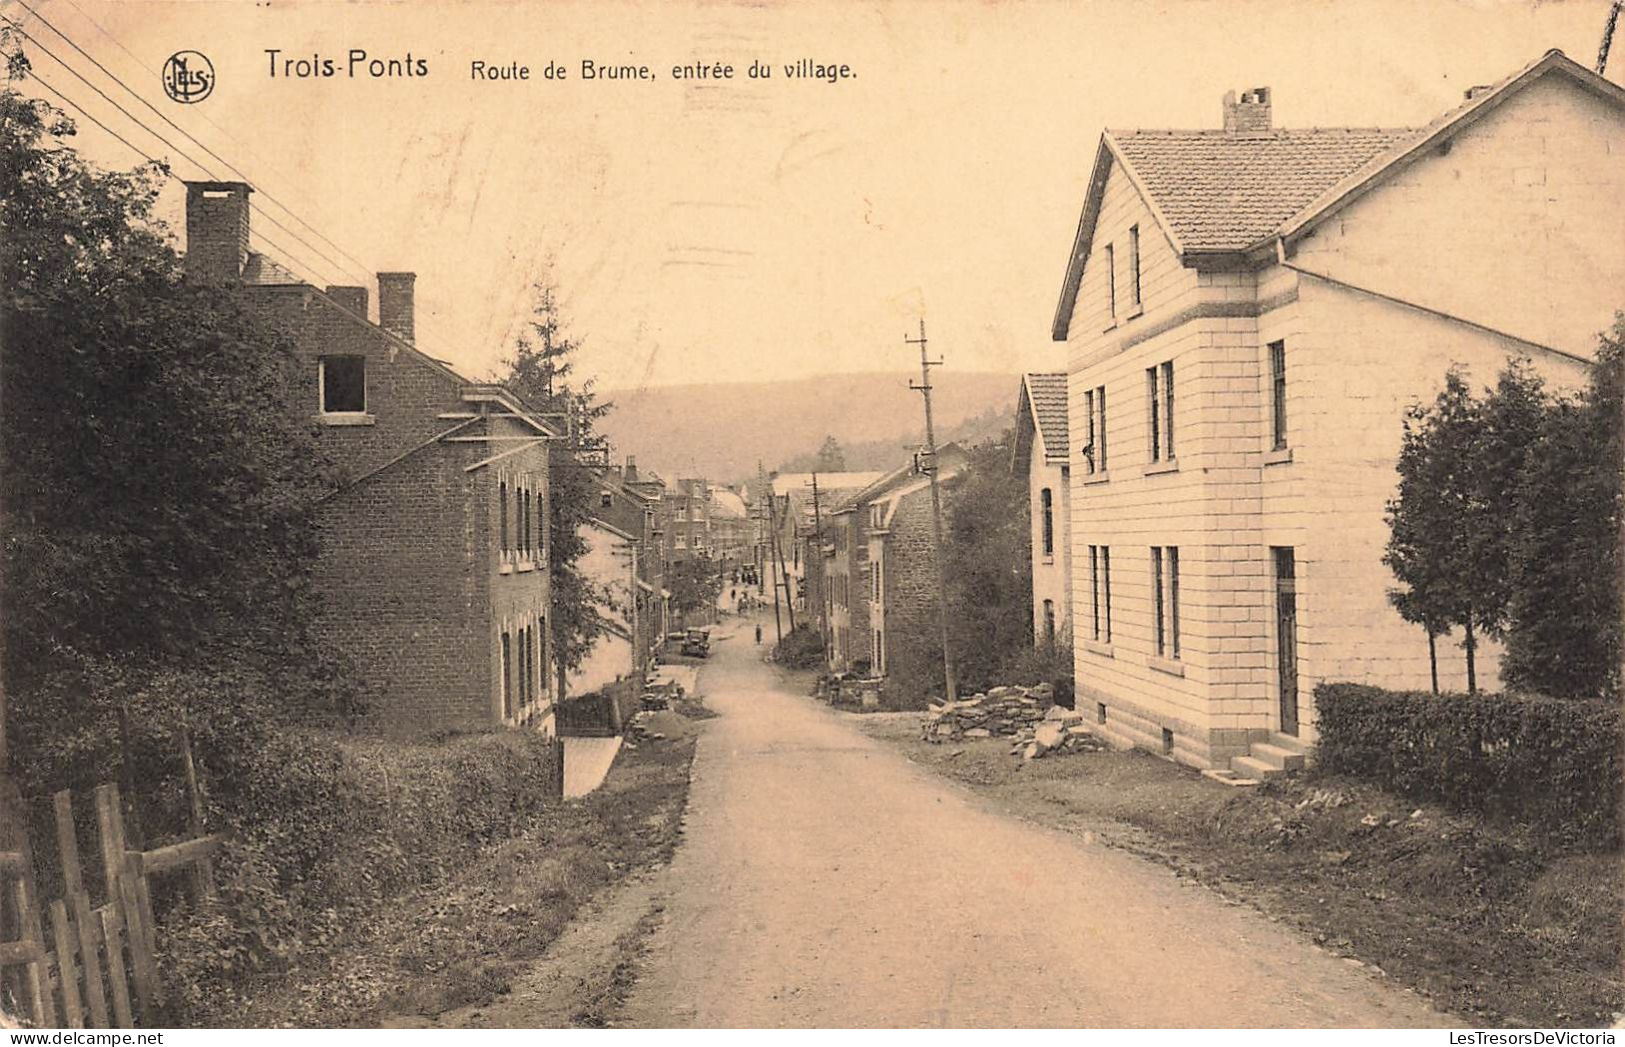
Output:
(461, 937)
(1493, 922)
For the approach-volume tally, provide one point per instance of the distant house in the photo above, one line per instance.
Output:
(688, 520)
(1040, 455)
(880, 564)
(1248, 311)
(434, 545)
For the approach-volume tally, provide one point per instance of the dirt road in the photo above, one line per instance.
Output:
(826, 881)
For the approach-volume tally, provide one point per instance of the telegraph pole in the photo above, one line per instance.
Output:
(950, 679)
(818, 551)
(778, 629)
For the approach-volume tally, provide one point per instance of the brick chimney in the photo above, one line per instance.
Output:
(216, 231)
(352, 298)
(395, 310)
(1252, 113)
(631, 470)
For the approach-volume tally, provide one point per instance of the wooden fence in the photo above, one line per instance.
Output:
(68, 962)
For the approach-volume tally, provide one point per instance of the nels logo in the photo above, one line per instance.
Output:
(188, 77)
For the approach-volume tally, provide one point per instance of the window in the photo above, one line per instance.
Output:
(1134, 263)
(1106, 587)
(1094, 413)
(1159, 396)
(524, 668)
(524, 520)
(1111, 280)
(1049, 622)
(1046, 502)
(1100, 593)
(606, 499)
(541, 654)
(1278, 396)
(344, 384)
(1165, 585)
(502, 514)
(507, 675)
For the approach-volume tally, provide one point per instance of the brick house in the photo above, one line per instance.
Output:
(1040, 455)
(688, 520)
(432, 564)
(1247, 314)
(846, 600)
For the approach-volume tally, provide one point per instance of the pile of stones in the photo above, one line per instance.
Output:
(1023, 714)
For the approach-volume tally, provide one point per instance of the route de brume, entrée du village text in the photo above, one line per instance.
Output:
(358, 64)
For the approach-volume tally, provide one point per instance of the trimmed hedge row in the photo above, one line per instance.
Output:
(1555, 763)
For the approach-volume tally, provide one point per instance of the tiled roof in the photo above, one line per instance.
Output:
(1047, 395)
(1226, 191)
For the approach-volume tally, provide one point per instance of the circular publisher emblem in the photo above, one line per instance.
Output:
(188, 77)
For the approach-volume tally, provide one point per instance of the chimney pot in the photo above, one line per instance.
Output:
(1250, 114)
(395, 306)
(352, 298)
(216, 231)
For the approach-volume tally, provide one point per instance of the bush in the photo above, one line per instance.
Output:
(1552, 763)
(802, 648)
(1046, 663)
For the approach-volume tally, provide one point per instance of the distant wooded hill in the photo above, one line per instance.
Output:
(722, 431)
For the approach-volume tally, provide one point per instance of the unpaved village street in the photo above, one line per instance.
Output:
(826, 881)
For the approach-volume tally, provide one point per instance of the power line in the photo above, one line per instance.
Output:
(163, 116)
(282, 261)
(138, 122)
(282, 254)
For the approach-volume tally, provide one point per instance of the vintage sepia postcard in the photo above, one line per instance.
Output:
(739, 514)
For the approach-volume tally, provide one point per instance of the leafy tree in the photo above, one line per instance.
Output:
(541, 371)
(695, 584)
(1431, 517)
(831, 459)
(987, 542)
(1564, 632)
(159, 483)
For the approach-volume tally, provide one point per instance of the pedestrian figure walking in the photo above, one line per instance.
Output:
(758, 632)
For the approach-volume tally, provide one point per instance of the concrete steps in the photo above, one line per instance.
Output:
(1282, 754)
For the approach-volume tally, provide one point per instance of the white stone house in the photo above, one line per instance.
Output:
(1247, 314)
(1040, 455)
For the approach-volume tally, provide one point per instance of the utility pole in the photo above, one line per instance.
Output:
(778, 554)
(767, 495)
(817, 552)
(950, 679)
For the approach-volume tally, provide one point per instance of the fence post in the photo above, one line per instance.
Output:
(67, 845)
(203, 869)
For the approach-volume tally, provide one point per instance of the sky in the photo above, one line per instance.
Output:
(740, 230)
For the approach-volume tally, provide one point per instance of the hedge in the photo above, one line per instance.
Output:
(1553, 763)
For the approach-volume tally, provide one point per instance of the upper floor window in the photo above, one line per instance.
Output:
(1111, 280)
(1134, 264)
(1278, 396)
(1046, 501)
(1159, 392)
(502, 516)
(1094, 444)
(344, 384)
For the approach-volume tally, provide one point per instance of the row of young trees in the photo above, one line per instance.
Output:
(1506, 524)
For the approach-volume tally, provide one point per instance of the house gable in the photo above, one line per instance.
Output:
(1505, 216)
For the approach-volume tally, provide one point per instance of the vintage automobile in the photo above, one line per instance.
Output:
(697, 643)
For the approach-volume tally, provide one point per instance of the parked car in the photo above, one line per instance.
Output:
(697, 643)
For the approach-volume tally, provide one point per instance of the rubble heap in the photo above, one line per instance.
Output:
(1023, 714)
